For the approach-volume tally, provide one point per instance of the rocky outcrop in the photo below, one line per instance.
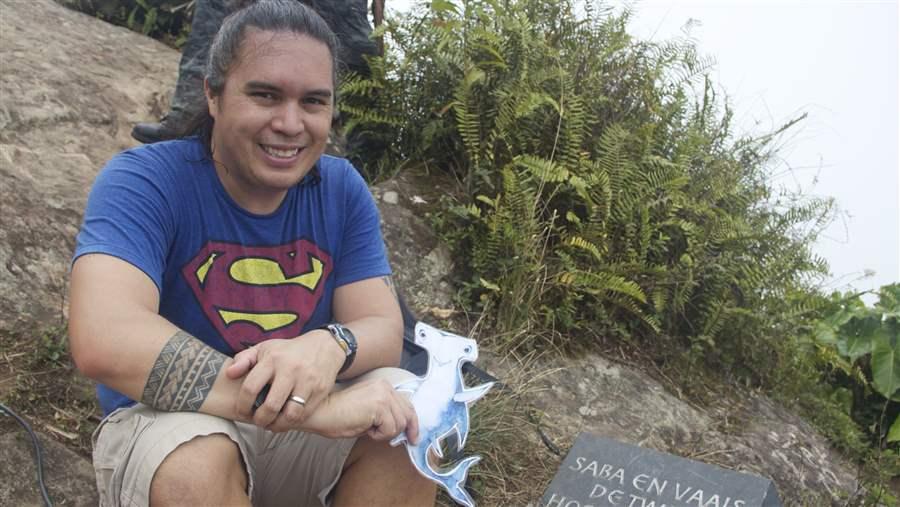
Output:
(422, 264)
(71, 87)
(743, 431)
(68, 477)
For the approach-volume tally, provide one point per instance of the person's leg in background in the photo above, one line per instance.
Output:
(188, 99)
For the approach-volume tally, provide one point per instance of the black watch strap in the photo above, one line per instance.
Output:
(345, 339)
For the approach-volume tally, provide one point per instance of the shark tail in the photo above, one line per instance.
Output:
(456, 481)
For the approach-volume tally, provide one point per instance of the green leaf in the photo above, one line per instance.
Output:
(889, 298)
(894, 433)
(473, 76)
(130, 22)
(824, 333)
(149, 21)
(487, 200)
(885, 364)
(440, 6)
(841, 317)
(855, 337)
(489, 285)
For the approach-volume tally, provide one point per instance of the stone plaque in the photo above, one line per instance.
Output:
(602, 472)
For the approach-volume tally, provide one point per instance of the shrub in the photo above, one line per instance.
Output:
(602, 192)
(859, 347)
(168, 21)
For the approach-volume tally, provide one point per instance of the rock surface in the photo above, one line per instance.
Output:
(422, 264)
(71, 86)
(69, 478)
(745, 432)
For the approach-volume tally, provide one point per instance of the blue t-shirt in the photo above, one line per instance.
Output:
(227, 276)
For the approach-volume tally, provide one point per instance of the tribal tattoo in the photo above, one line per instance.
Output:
(183, 375)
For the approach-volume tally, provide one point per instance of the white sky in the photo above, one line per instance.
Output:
(836, 61)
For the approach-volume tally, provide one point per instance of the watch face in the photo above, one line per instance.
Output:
(350, 338)
(346, 337)
(346, 340)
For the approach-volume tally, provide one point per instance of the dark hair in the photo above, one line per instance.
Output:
(268, 15)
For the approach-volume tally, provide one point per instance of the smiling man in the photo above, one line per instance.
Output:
(224, 284)
(272, 116)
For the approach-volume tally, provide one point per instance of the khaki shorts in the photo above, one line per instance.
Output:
(291, 468)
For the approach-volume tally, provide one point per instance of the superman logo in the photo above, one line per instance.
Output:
(251, 294)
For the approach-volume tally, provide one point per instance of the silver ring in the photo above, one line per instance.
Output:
(300, 401)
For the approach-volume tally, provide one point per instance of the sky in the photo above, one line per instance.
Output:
(836, 61)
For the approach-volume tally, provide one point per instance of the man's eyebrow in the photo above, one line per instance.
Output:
(261, 85)
(320, 93)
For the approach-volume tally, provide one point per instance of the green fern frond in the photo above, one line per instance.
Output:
(586, 245)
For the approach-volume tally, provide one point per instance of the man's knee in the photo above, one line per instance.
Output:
(378, 474)
(202, 470)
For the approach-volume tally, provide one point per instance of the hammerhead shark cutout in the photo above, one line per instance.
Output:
(442, 401)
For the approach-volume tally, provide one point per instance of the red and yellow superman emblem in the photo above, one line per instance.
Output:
(251, 294)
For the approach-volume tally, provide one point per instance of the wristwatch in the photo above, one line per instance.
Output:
(344, 337)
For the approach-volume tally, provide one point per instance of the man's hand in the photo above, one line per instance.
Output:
(306, 366)
(372, 407)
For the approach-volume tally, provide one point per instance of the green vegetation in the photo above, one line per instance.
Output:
(862, 346)
(858, 350)
(603, 195)
(166, 20)
(54, 346)
(601, 190)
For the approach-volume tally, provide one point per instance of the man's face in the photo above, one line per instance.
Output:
(273, 116)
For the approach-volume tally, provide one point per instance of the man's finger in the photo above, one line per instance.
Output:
(243, 362)
(412, 421)
(275, 401)
(251, 386)
(294, 412)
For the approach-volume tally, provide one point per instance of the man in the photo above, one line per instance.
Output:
(237, 265)
(347, 18)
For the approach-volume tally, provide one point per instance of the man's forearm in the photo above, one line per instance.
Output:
(183, 374)
(188, 376)
(370, 309)
(379, 344)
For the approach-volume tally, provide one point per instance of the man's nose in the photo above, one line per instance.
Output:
(289, 119)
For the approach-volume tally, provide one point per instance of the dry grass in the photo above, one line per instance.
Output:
(516, 465)
(44, 388)
(39, 382)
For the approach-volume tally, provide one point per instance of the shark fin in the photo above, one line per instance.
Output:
(456, 481)
(470, 395)
(436, 447)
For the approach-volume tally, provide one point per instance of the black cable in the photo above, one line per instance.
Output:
(544, 438)
(39, 460)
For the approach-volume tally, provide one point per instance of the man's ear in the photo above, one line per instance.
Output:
(210, 99)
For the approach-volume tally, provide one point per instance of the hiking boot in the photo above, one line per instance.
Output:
(154, 132)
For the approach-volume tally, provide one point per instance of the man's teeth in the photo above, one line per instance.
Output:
(275, 152)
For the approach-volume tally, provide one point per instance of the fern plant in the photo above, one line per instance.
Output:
(601, 191)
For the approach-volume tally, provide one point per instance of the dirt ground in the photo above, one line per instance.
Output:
(40, 383)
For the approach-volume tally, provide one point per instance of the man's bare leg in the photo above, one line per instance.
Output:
(204, 471)
(377, 474)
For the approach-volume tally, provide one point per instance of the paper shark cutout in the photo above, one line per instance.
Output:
(442, 404)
